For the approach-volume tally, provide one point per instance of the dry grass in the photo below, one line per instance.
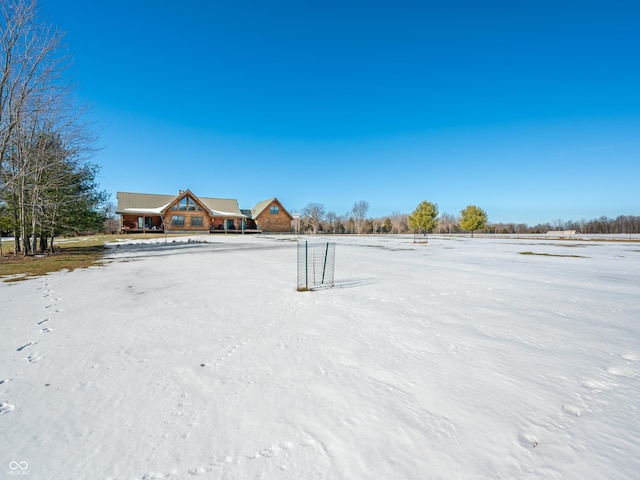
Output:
(552, 255)
(70, 253)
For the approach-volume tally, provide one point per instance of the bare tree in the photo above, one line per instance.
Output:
(350, 224)
(331, 218)
(448, 223)
(43, 142)
(32, 60)
(31, 63)
(399, 222)
(359, 214)
(112, 222)
(315, 213)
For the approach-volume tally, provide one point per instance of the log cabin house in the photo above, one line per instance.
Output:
(187, 213)
(270, 216)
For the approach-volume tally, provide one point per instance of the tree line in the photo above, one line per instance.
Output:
(622, 224)
(47, 183)
(315, 219)
(426, 218)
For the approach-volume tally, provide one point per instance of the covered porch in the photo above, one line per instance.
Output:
(142, 222)
(246, 230)
(227, 222)
(218, 222)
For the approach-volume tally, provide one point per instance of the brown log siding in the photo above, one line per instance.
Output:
(270, 222)
(187, 215)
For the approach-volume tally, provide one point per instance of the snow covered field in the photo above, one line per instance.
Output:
(459, 359)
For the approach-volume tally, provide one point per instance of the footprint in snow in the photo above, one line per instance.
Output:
(227, 352)
(527, 440)
(150, 476)
(223, 461)
(34, 358)
(6, 407)
(272, 451)
(197, 471)
(621, 371)
(33, 342)
(572, 410)
(595, 385)
(46, 330)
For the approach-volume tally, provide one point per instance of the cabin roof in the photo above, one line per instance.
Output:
(147, 203)
(261, 206)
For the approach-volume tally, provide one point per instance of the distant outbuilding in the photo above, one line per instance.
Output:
(561, 233)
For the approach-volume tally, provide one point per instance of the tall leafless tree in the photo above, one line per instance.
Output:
(359, 214)
(314, 212)
(43, 140)
(448, 223)
(331, 219)
(399, 222)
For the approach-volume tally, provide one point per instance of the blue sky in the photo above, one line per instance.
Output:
(530, 110)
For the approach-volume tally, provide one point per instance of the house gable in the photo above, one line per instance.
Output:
(186, 202)
(188, 212)
(266, 205)
(271, 216)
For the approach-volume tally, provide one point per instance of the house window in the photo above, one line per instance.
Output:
(197, 221)
(274, 210)
(187, 204)
(177, 221)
